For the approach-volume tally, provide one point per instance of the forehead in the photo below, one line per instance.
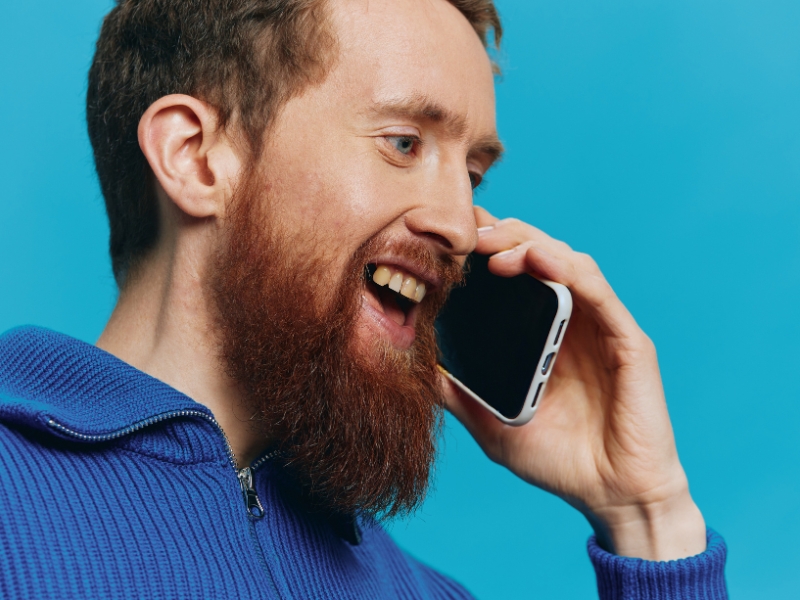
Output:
(391, 50)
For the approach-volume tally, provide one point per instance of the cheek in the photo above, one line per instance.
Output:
(346, 201)
(338, 194)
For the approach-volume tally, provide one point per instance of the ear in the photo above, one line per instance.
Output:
(192, 160)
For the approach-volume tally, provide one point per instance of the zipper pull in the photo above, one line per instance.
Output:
(251, 501)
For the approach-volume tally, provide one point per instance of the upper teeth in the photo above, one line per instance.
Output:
(400, 282)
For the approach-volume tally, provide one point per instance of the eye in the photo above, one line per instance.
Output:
(404, 144)
(475, 179)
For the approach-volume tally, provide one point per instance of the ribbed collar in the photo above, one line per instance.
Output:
(58, 384)
(49, 378)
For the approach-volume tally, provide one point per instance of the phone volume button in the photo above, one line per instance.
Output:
(536, 396)
(558, 334)
(547, 362)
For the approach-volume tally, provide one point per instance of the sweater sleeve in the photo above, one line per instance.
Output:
(693, 578)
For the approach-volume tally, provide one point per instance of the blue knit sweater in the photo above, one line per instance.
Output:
(115, 485)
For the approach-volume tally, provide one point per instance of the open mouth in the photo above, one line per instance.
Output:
(394, 292)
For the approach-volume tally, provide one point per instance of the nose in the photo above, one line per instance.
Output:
(445, 214)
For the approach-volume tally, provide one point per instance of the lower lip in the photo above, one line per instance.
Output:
(400, 336)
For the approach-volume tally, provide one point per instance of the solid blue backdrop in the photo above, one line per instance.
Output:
(663, 138)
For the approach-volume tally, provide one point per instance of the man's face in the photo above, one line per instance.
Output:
(372, 168)
(389, 144)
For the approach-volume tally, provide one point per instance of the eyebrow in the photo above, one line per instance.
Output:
(419, 107)
(491, 147)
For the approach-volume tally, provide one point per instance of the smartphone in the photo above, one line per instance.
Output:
(499, 338)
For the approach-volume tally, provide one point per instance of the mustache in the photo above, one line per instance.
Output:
(444, 266)
(358, 427)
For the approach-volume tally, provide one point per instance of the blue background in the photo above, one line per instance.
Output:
(661, 137)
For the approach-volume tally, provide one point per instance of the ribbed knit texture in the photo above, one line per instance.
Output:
(700, 577)
(114, 485)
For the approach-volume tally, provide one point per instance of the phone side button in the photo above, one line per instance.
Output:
(547, 362)
(558, 334)
(538, 393)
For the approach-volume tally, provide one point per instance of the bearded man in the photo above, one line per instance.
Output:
(256, 406)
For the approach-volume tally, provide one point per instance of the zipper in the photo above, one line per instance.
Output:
(245, 475)
(251, 501)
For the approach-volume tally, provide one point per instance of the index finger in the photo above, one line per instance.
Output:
(580, 274)
(483, 217)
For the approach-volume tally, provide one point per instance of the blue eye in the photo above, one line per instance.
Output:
(404, 144)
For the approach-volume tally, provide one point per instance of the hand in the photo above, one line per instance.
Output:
(601, 438)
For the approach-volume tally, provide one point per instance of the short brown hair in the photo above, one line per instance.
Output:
(245, 57)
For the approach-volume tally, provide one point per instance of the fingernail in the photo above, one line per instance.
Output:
(482, 230)
(506, 252)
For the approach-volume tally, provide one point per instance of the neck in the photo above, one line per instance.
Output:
(162, 326)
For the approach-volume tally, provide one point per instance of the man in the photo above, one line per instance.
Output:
(255, 405)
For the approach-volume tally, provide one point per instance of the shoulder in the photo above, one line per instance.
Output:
(437, 584)
(18, 456)
(442, 585)
(31, 457)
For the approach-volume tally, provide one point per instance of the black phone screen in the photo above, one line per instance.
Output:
(492, 332)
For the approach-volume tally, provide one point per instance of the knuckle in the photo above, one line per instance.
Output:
(641, 346)
(563, 246)
(602, 298)
(572, 274)
(588, 262)
(647, 343)
(519, 229)
(599, 289)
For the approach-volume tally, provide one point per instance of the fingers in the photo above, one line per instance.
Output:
(483, 218)
(521, 248)
(507, 233)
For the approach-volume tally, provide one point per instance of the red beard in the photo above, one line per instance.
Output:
(357, 427)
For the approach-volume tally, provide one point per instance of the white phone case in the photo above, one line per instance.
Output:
(544, 367)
